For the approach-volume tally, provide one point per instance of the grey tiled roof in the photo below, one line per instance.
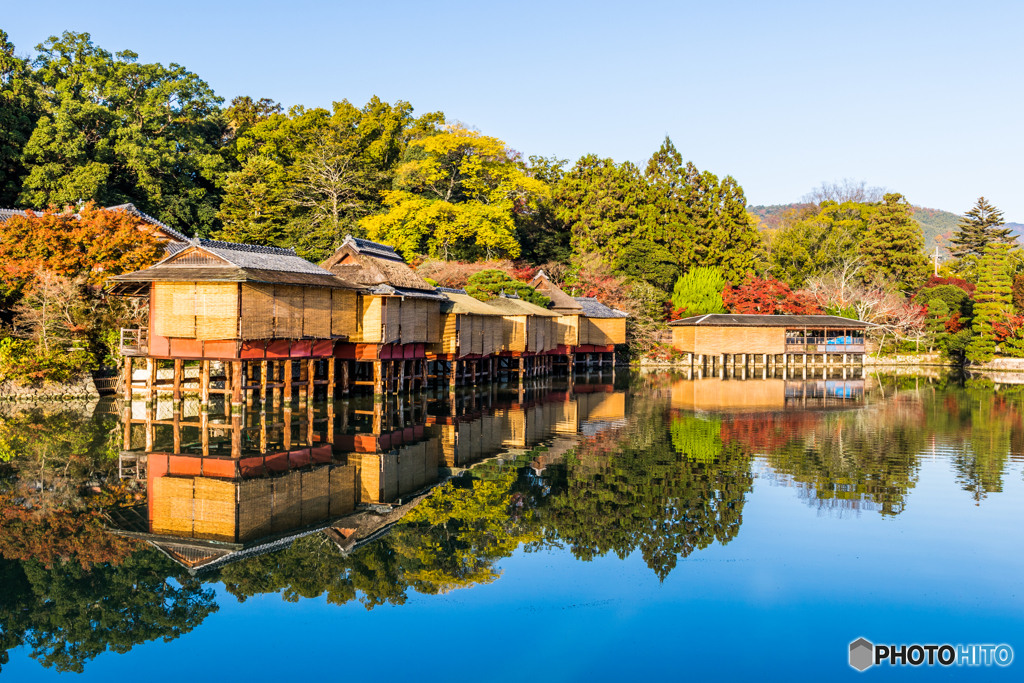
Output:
(742, 320)
(451, 290)
(592, 308)
(264, 258)
(130, 208)
(373, 248)
(389, 290)
(7, 213)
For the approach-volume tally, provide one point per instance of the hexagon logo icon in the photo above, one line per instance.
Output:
(861, 654)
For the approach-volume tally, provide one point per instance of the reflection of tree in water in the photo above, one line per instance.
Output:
(986, 427)
(68, 614)
(451, 540)
(631, 488)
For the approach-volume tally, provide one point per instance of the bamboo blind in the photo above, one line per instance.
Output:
(172, 506)
(568, 330)
(407, 320)
(531, 334)
(316, 318)
(257, 311)
(517, 332)
(447, 323)
(392, 320)
(604, 331)
(255, 504)
(174, 312)
(343, 318)
(288, 312)
(343, 490)
(423, 312)
(371, 317)
(216, 310)
(316, 494)
(214, 509)
(287, 503)
(477, 334)
(495, 337)
(434, 324)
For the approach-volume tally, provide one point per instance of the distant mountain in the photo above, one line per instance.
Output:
(937, 225)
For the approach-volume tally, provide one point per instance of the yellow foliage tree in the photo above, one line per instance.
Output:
(456, 195)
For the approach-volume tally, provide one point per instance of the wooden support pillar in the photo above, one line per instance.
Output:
(378, 378)
(287, 365)
(263, 431)
(263, 385)
(286, 430)
(237, 378)
(400, 384)
(204, 431)
(522, 368)
(344, 377)
(151, 365)
(127, 419)
(236, 426)
(453, 368)
(248, 383)
(127, 379)
(177, 432)
(330, 378)
(310, 377)
(176, 384)
(204, 382)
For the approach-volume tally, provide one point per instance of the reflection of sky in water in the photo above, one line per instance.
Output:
(815, 565)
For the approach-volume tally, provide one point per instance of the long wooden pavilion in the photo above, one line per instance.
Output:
(718, 339)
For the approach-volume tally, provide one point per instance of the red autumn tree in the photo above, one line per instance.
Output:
(767, 297)
(95, 243)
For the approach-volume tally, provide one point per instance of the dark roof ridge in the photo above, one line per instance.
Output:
(241, 246)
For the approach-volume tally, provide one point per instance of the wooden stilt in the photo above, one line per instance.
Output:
(378, 378)
(204, 431)
(151, 366)
(287, 365)
(248, 383)
(344, 377)
(204, 383)
(176, 384)
(127, 379)
(237, 378)
(263, 385)
(310, 377)
(330, 378)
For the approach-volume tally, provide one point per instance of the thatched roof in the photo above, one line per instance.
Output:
(592, 308)
(369, 263)
(560, 301)
(517, 306)
(729, 320)
(464, 303)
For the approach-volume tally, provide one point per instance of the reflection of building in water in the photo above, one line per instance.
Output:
(223, 488)
(764, 395)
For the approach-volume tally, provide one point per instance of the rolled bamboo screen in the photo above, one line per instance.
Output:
(518, 336)
(170, 320)
(604, 331)
(316, 495)
(407, 318)
(288, 312)
(434, 323)
(316, 317)
(371, 319)
(214, 509)
(423, 309)
(172, 506)
(216, 310)
(495, 328)
(343, 490)
(449, 334)
(255, 505)
(531, 334)
(287, 503)
(393, 320)
(257, 311)
(476, 345)
(343, 318)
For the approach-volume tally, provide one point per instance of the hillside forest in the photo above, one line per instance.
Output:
(82, 128)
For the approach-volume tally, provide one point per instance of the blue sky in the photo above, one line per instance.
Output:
(924, 98)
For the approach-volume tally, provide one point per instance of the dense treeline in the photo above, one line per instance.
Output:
(80, 124)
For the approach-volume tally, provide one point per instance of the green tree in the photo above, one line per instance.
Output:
(893, 245)
(542, 236)
(993, 301)
(938, 314)
(19, 109)
(255, 209)
(699, 292)
(115, 131)
(602, 203)
(488, 284)
(977, 229)
(819, 242)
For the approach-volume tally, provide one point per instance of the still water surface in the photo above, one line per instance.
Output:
(607, 529)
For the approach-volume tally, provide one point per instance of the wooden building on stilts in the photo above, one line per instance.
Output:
(397, 314)
(588, 330)
(472, 336)
(254, 319)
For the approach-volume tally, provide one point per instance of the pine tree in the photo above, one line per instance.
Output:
(699, 292)
(893, 246)
(935, 322)
(992, 301)
(979, 228)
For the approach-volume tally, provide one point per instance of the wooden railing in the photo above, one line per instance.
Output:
(134, 342)
(844, 344)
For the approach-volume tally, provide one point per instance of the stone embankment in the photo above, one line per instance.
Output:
(83, 388)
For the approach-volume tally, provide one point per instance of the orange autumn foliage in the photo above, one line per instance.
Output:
(96, 243)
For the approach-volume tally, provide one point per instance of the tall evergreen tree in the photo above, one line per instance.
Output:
(893, 246)
(977, 229)
(19, 109)
(993, 301)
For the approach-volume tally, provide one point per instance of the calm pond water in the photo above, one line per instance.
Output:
(611, 528)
